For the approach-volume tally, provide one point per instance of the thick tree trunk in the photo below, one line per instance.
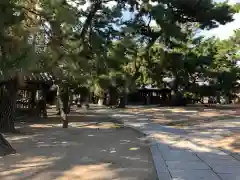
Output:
(178, 99)
(100, 101)
(112, 97)
(122, 102)
(64, 106)
(218, 99)
(58, 105)
(111, 100)
(33, 99)
(226, 99)
(5, 147)
(64, 119)
(7, 116)
(8, 107)
(44, 93)
(85, 102)
(63, 111)
(57, 100)
(41, 105)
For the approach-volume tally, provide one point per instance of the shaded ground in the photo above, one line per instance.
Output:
(189, 115)
(224, 134)
(84, 151)
(208, 126)
(207, 150)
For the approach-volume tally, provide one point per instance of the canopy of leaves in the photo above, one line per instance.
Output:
(91, 42)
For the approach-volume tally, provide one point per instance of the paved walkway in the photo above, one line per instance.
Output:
(178, 153)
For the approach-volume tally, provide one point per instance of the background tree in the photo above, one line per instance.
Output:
(90, 42)
(16, 52)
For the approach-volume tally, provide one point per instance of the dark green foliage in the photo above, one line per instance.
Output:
(98, 49)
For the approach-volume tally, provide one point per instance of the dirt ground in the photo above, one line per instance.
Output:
(220, 125)
(84, 151)
(189, 115)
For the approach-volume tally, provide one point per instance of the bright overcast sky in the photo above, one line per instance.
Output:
(225, 31)
(221, 32)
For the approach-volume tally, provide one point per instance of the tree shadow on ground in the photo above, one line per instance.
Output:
(94, 152)
(186, 159)
(74, 116)
(182, 116)
(197, 140)
(204, 130)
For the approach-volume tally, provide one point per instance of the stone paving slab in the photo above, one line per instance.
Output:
(236, 156)
(178, 155)
(223, 169)
(229, 176)
(226, 162)
(212, 157)
(194, 175)
(179, 158)
(160, 165)
(163, 147)
(186, 165)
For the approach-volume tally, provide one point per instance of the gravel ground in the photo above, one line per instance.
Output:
(84, 151)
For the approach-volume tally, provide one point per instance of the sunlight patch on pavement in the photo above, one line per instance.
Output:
(92, 171)
(133, 148)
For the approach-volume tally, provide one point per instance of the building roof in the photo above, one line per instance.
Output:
(39, 77)
(32, 78)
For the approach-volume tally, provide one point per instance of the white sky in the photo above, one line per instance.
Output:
(224, 31)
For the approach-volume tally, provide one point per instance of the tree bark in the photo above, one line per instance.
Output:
(57, 100)
(122, 101)
(64, 106)
(112, 97)
(33, 99)
(100, 101)
(5, 147)
(93, 9)
(64, 119)
(7, 116)
(227, 99)
(63, 112)
(8, 107)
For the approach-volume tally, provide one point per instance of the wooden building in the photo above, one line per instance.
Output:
(150, 96)
(27, 88)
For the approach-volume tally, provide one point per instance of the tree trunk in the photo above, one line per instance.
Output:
(64, 106)
(57, 101)
(122, 102)
(218, 99)
(112, 97)
(65, 111)
(33, 99)
(178, 99)
(226, 98)
(58, 106)
(41, 106)
(7, 116)
(100, 101)
(70, 98)
(5, 147)
(44, 93)
(8, 107)
(148, 99)
(64, 119)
